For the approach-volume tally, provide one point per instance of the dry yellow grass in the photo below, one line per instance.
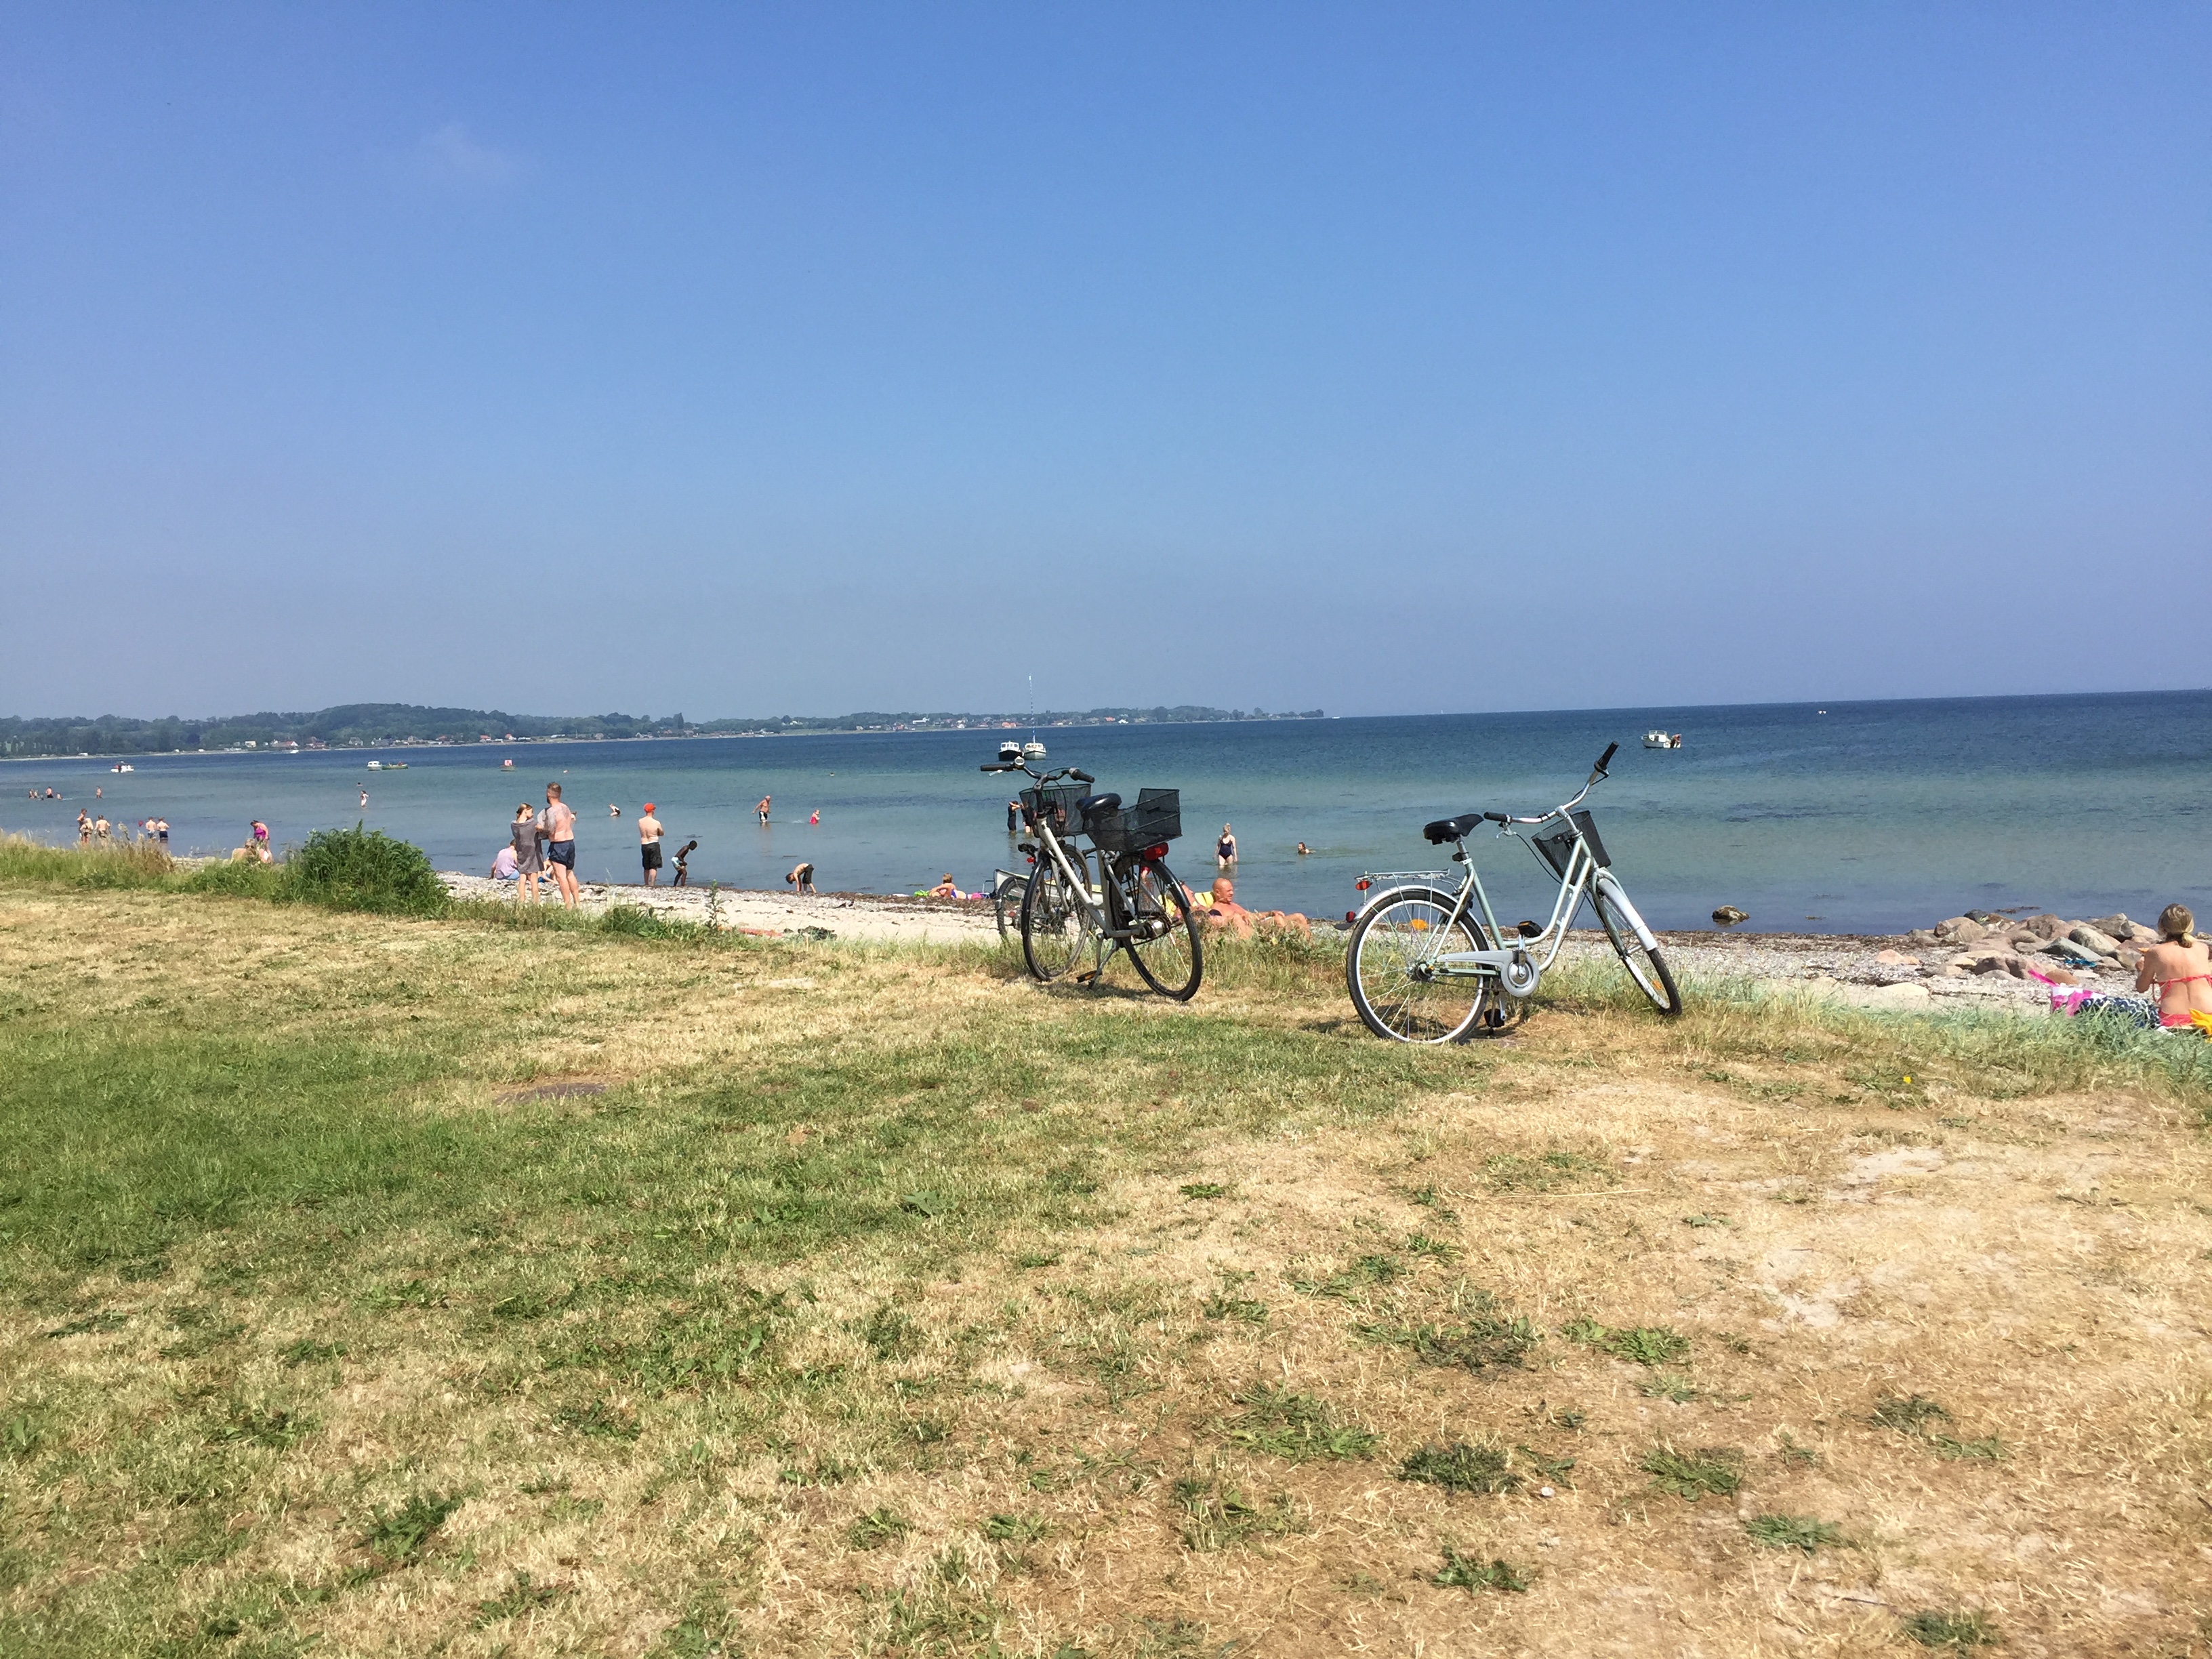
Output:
(854, 1235)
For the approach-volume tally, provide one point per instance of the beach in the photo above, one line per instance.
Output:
(1848, 968)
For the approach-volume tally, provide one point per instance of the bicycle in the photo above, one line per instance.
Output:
(1135, 904)
(1423, 966)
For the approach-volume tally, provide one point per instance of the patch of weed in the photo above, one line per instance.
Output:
(1471, 1574)
(1204, 1189)
(1792, 1532)
(601, 1418)
(308, 1351)
(1933, 1628)
(1220, 1517)
(1485, 1468)
(1295, 1427)
(1665, 1385)
(889, 1334)
(520, 1597)
(875, 1528)
(1436, 1250)
(398, 1537)
(1508, 1172)
(275, 1429)
(1989, 1448)
(1645, 1344)
(1014, 1529)
(1710, 1471)
(1038, 1259)
(92, 1324)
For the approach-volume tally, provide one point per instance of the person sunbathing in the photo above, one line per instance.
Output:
(946, 888)
(1221, 912)
(2179, 966)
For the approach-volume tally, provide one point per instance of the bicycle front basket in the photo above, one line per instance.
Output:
(1157, 817)
(1557, 848)
(1054, 803)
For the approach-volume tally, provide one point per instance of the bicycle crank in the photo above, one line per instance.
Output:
(1518, 975)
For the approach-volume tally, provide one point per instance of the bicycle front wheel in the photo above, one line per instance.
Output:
(1389, 968)
(1164, 932)
(1055, 923)
(1644, 964)
(1007, 890)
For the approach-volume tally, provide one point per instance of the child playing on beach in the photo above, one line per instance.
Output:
(801, 879)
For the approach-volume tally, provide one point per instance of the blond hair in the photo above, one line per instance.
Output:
(2174, 922)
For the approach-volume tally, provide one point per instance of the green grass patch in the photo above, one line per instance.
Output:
(1295, 1427)
(1708, 1472)
(1471, 1573)
(1932, 1627)
(1485, 1469)
(1645, 1344)
(1793, 1531)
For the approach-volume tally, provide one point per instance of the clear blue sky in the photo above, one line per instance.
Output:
(750, 359)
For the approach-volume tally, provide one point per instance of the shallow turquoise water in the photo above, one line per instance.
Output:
(1869, 817)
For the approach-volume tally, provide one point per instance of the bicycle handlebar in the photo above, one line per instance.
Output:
(1604, 761)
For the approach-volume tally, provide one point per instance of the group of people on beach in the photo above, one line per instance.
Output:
(542, 846)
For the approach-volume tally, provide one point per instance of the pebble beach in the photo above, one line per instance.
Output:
(1925, 969)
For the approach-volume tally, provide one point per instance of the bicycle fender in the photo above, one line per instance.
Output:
(1612, 891)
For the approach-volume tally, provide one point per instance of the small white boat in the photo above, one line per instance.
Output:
(507, 765)
(376, 766)
(1033, 751)
(1662, 740)
(122, 767)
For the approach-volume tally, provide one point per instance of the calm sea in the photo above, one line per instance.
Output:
(1856, 817)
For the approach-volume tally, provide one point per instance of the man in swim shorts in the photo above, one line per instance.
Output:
(649, 844)
(559, 821)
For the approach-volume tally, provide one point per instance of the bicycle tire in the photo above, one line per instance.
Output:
(1055, 924)
(1006, 908)
(1393, 932)
(1647, 967)
(1173, 962)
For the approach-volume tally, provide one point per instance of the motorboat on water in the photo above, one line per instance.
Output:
(123, 766)
(387, 766)
(1033, 751)
(1662, 740)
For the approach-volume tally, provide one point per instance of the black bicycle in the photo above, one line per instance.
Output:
(1117, 895)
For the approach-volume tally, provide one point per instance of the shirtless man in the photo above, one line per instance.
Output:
(649, 844)
(801, 878)
(83, 827)
(763, 809)
(559, 820)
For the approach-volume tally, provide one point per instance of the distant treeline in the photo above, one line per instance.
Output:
(360, 725)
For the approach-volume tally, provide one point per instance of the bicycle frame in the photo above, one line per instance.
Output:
(1100, 909)
(1519, 967)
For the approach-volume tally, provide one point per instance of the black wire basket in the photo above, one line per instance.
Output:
(1054, 803)
(1157, 817)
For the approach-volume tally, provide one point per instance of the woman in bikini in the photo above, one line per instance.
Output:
(2179, 966)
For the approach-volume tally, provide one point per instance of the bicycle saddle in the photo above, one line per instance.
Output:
(1444, 829)
(1091, 806)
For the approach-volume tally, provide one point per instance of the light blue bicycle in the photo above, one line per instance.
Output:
(1425, 965)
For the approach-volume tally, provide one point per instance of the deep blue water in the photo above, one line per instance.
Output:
(1869, 816)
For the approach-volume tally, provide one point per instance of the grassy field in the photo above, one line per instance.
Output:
(390, 1285)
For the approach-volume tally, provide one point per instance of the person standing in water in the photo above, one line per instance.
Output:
(1224, 850)
(559, 824)
(649, 844)
(762, 808)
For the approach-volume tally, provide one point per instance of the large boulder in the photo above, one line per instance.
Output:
(1961, 930)
(2136, 933)
(2045, 926)
(1728, 915)
(2115, 924)
(2102, 943)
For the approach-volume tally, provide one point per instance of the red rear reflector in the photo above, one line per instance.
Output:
(1159, 852)
(1362, 883)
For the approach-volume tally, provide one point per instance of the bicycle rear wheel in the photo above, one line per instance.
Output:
(1644, 964)
(1386, 967)
(1056, 924)
(1170, 958)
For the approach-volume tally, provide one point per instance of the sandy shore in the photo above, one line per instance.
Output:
(1870, 971)
(841, 915)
